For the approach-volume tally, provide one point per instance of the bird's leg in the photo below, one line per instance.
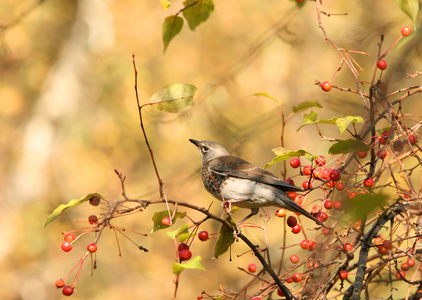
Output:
(254, 211)
(227, 208)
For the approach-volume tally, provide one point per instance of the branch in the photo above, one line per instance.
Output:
(388, 215)
(160, 182)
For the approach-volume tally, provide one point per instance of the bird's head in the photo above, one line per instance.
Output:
(209, 150)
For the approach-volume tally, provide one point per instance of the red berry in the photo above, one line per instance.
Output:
(307, 170)
(323, 216)
(378, 241)
(295, 162)
(343, 274)
(70, 237)
(326, 86)
(67, 290)
(291, 194)
(318, 174)
(60, 283)
(281, 212)
(291, 221)
(297, 277)
(340, 186)
(66, 246)
(384, 137)
(296, 229)
(338, 205)
(405, 266)
(313, 264)
(304, 244)
(252, 268)
(95, 201)
(298, 199)
(387, 244)
(166, 221)
(182, 247)
(92, 247)
(307, 185)
(398, 146)
(320, 161)
(185, 255)
(326, 231)
(311, 246)
(294, 259)
(401, 275)
(368, 182)
(348, 247)
(411, 262)
(412, 139)
(406, 30)
(289, 181)
(279, 291)
(92, 219)
(328, 204)
(352, 195)
(381, 154)
(289, 279)
(330, 184)
(335, 175)
(203, 236)
(382, 64)
(382, 251)
(362, 154)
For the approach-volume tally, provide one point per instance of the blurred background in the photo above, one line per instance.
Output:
(69, 118)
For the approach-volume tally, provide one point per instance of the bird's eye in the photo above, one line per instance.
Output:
(205, 148)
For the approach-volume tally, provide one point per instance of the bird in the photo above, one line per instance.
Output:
(230, 178)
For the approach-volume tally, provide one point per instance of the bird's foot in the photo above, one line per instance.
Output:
(227, 208)
(236, 233)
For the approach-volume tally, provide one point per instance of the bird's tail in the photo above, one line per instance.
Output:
(294, 207)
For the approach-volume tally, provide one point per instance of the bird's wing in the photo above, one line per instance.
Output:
(237, 167)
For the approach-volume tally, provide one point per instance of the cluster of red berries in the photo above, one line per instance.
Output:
(330, 176)
(384, 247)
(184, 249)
(67, 245)
(184, 252)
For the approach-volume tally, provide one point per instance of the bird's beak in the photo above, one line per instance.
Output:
(195, 142)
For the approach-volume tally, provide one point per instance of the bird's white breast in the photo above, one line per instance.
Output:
(247, 194)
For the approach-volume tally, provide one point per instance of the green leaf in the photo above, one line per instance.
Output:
(359, 207)
(158, 217)
(165, 3)
(287, 155)
(268, 96)
(342, 123)
(71, 204)
(171, 27)
(197, 12)
(225, 238)
(348, 146)
(305, 105)
(174, 97)
(381, 130)
(410, 8)
(182, 233)
(311, 117)
(194, 264)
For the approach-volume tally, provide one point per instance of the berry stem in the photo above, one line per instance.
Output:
(385, 53)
